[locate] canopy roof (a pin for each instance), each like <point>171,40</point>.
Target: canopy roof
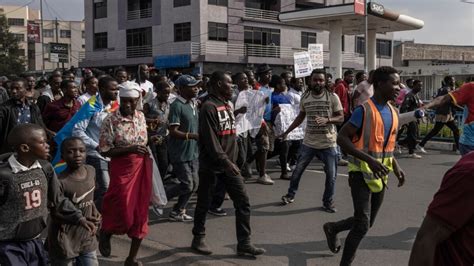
<point>380,19</point>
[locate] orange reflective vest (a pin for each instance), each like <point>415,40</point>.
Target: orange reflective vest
<point>371,141</point>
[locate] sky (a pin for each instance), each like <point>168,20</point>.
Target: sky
<point>446,21</point>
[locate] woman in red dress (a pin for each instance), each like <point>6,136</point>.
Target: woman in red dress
<point>123,138</point>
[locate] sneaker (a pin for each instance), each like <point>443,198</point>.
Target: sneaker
<point>330,208</point>
<point>265,179</point>
<point>287,199</point>
<point>288,168</point>
<point>180,216</point>
<point>217,212</point>
<point>414,156</point>
<point>157,210</point>
<point>342,162</point>
<point>285,176</point>
<point>420,148</point>
<point>249,249</point>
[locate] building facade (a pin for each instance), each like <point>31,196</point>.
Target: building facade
<point>23,21</point>
<point>209,35</point>
<point>430,63</point>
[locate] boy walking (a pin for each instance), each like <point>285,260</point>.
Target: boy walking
<point>69,242</point>
<point>28,188</point>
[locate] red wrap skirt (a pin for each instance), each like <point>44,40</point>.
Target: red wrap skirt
<point>125,204</point>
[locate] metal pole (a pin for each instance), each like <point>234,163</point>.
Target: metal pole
<point>366,38</point>
<point>57,37</point>
<point>42,38</point>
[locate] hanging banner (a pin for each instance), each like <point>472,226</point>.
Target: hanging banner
<point>303,67</point>
<point>359,7</point>
<point>33,32</point>
<point>317,55</point>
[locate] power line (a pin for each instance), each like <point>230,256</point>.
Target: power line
<point>18,8</point>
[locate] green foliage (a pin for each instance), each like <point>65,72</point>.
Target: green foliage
<point>11,62</point>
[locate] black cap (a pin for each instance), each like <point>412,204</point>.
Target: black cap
<point>263,68</point>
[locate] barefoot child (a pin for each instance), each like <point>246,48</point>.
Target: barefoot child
<point>28,188</point>
<point>71,242</point>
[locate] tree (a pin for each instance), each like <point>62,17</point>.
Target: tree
<point>11,62</point>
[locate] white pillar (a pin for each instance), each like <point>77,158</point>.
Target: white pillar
<point>335,48</point>
<point>372,50</point>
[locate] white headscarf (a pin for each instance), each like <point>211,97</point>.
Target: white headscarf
<point>129,89</point>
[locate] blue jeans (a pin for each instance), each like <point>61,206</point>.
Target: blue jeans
<point>86,259</point>
<point>465,149</point>
<point>328,157</point>
<point>102,179</point>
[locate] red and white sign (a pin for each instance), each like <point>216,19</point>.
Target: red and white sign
<point>359,7</point>
<point>33,31</point>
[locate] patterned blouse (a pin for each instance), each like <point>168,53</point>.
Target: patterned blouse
<point>119,131</point>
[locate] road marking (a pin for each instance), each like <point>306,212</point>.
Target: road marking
<point>322,172</point>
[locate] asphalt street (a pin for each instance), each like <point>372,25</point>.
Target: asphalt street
<point>293,234</point>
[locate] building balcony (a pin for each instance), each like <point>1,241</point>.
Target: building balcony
<point>139,51</point>
<point>139,14</point>
<point>254,13</point>
<point>243,50</point>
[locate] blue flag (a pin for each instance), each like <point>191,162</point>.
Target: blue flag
<point>85,113</point>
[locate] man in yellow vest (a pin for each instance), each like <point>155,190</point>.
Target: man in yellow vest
<point>369,138</point>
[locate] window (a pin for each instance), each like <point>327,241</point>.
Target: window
<point>218,2</point>
<point>100,41</point>
<point>262,36</point>
<point>83,34</point>
<point>16,22</point>
<point>100,9</point>
<point>262,42</point>
<point>217,31</point>
<point>65,33</point>
<point>360,45</point>
<point>259,4</point>
<point>138,9</point>
<point>19,37</point>
<point>182,32</point>
<point>21,52</point>
<point>178,3</point>
<point>307,38</point>
<point>384,47</point>
<point>48,33</point>
<point>139,42</point>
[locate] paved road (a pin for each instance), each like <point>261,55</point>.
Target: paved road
<point>293,234</point>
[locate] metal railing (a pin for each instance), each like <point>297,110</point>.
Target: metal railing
<point>139,13</point>
<point>261,14</point>
<point>139,51</point>
<point>243,50</point>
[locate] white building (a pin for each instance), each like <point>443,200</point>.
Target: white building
<point>68,32</point>
<point>208,35</point>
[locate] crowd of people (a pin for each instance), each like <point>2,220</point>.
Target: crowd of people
<point>116,127</point>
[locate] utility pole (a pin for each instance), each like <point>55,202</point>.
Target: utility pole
<point>57,36</point>
<point>366,42</point>
<point>42,37</point>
